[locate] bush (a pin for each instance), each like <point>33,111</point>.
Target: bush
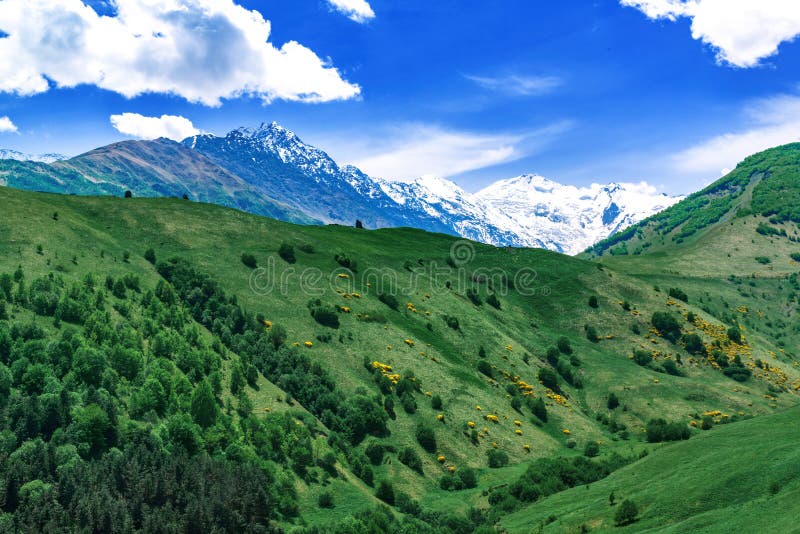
<point>474,297</point>
<point>679,294</point>
<point>737,372</point>
<point>563,345</point>
<point>452,322</point>
<point>389,299</point>
<point>548,379</point>
<point>485,368</point>
<point>409,403</point>
<point>374,452</point>
<point>591,333</point>
<point>593,302</point>
<point>409,457</point>
<point>667,325</point>
<point>426,437</point>
<point>305,247</point>
<point>671,368</point>
<point>385,492</point>
<point>436,402</point>
<point>613,401</point>
<point>325,500</point>
<point>496,458</point>
<point>249,261</point>
<point>345,262</point>
<point>694,344</point>
<point>591,450</point>
<point>763,260</point>
<point>324,315</point>
<point>150,255</point>
<point>286,251</point>
<point>538,408</point>
<point>795,256</point>
<point>626,513</point>
<point>642,357</point>
<point>659,430</point>
<point>493,301</point>
<point>735,335</point>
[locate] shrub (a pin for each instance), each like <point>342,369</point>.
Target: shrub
<point>374,452</point>
<point>409,403</point>
<point>548,379</point>
<point>591,450</point>
<point>678,293</point>
<point>795,256</point>
<point>538,408</point>
<point>626,513</point>
<point>409,457</point>
<point>763,260</point>
<point>735,335</point>
<point>563,345</point>
<point>667,325</point>
<point>249,261</point>
<point>345,262</point>
<point>307,248</point>
<point>385,492</point>
<point>474,297</point>
<point>553,355</point>
<point>694,344</point>
<point>286,251</point>
<point>642,357</point>
<point>436,402</point>
<point>150,255</point>
<point>426,437</point>
<point>389,299</point>
<point>671,368</point>
<point>659,430</point>
<point>613,401</point>
<point>485,368</point>
<point>593,302</point>
<point>496,458</point>
<point>591,333</point>
<point>325,500</point>
<point>323,314</point>
<point>737,372</point>
<point>493,301</point>
<point>452,322</point>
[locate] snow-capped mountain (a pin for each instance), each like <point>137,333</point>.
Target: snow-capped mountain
<point>270,171</point>
<point>39,158</point>
<point>569,219</point>
<point>528,211</point>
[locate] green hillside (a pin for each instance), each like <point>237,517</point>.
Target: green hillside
<point>309,362</point>
<point>743,477</point>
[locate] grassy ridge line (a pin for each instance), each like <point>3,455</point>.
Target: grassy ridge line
<point>743,477</point>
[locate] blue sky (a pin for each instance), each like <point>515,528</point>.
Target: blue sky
<point>661,91</point>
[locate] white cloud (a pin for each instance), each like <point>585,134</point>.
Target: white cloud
<point>518,85</point>
<point>408,151</point>
<point>743,32</point>
<point>201,50</point>
<point>773,122</point>
<point>356,10</point>
<point>172,127</point>
<point>6,126</point>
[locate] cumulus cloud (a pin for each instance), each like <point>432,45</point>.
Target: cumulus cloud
<point>172,127</point>
<point>773,122</point>
<point>356,10</point>
<point>743,32</point>
<point>6,126</point>
<point>201,50</point>
<point>518,85</point>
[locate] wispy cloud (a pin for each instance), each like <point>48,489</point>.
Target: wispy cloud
<point>411,150</point>
<point>7,126</point>
<point>772,122</point>
<point>172,127</point>
<point>518,85</point>
<point>743,32</point>
<point>356,10</point>
<point>201,50</point>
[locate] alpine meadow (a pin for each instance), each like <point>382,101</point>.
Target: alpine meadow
<point>411,331</point>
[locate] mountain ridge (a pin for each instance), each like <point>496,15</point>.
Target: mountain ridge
<point>270,171</point>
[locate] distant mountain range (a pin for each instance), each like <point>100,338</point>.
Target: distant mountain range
<point>270,171</point>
